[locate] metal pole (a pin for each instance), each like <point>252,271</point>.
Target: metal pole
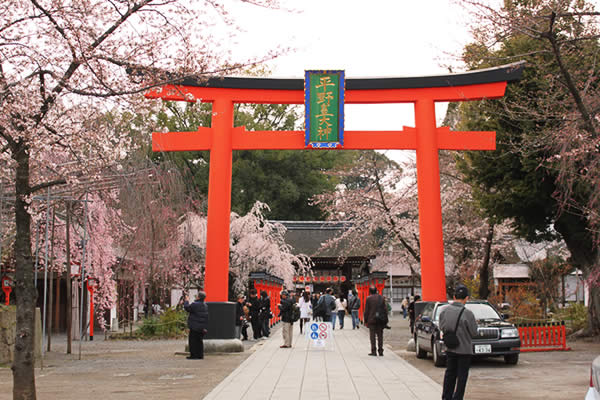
<point>85,211</point>
<point>45,275</point>
<point>391,284</point>
<point>37,252</point>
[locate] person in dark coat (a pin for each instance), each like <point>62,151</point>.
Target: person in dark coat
<point>253,304</point>
<point>265,313</point>
<point>198,324</point>
<point>411,313</point>
<point>458,358</point>
<point>239,317</point>
<point>327,304</point>
<point>285,312</point>
<point>374,303</point>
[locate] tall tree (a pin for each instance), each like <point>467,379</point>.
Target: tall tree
<point>60,61</point>
<point>545,172</point>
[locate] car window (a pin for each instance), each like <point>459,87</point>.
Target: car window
<point>438,311</point>
<point>480,311</point>
<point>428,310</point>
<point>483,311</point>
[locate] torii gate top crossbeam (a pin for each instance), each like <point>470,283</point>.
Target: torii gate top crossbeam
<point>473,85</point>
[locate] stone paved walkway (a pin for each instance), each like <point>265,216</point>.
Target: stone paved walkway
<point>344,372</point>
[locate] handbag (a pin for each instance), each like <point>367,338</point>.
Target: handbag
<point>450,339</point>
<point>381,317</point>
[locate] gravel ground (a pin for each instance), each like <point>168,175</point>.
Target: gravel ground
<point>554,375</point>
<point>120,369</point>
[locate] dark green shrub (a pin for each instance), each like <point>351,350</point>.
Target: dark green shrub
<point>170,324</point>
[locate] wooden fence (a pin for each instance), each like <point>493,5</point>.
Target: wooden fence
<point>543,336</point>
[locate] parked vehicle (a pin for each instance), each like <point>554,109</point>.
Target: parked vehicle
<point>593,392</point>
<point>496,337</point>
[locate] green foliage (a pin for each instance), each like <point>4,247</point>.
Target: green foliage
<point>170,324</point>
<point>575,315</point>
<point>524,180</point>
<point>285,180</point>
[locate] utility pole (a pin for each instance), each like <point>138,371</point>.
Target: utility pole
<point>68,280</point>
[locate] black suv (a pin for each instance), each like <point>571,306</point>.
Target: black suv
<point>496,337</point>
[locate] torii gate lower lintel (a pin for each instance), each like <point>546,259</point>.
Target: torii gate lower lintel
<point>426,138</point>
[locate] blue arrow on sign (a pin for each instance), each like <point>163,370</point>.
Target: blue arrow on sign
<point>314,327</point>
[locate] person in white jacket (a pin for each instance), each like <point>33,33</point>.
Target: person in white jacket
<point>305,306</point>
<point>340,310</point>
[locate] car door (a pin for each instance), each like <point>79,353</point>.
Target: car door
<point>426,327</point>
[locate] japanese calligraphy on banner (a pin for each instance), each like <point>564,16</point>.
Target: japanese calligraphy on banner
<point>324,104</point>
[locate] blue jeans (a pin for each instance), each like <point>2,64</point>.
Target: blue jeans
<point>355,321</point>
<point>265,327</point>
<point>333,318</point>
<point>404,312</point>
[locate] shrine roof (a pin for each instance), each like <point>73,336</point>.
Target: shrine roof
<point>505,73</point>
<point>307,237</point>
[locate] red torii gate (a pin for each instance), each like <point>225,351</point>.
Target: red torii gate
<point>426,138</point>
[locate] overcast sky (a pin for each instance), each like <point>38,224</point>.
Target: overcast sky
<point>365,38</point>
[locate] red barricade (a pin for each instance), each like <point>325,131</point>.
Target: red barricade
<point>544,336</point>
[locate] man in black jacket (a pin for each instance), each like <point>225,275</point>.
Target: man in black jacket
<point>285,312</point>
<point>198,324</point>
<point>265,313</point>
<point>254,307</point>
<point>374,306</point>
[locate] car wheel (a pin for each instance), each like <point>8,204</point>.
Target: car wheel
<point>438,359</point>
<point>511,359</point>
<point>420,353</point>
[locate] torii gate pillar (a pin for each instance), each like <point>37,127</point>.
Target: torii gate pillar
<point>426,138</point>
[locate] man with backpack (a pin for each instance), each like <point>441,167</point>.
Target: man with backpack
<point>458,322</point>
<point>289,313</point>
<point>375,319</point>
<point>326,305</point>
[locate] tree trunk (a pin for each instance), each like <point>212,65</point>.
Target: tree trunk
<point>23,366</point>
<point>484,273</point>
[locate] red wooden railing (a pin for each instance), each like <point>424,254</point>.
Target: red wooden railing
<point>544,336</point>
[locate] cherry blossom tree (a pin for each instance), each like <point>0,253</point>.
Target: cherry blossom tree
<point>380,198</point>
<point>256,244</point>
<point>63,64</point>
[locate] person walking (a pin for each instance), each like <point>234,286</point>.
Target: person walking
<point>375,320</point>
<point>305,309</point>
<point>265,313</point>
<point>285,312</point>
<point>326,304</point>
<point>198,324</point>
<point>334,312</point>
<point>254,311</point>
<point>404,305</point>
<point>457,318</point>
<point>411,314</point>
<point>340,309</point>
<point>313,301</point>
<point>354,306</point>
